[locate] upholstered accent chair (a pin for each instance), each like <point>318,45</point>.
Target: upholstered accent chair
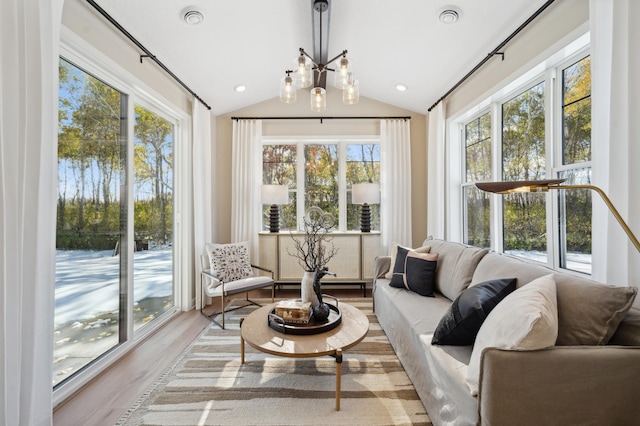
<point>226,271</point>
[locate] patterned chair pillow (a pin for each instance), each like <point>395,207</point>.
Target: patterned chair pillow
<point>229,262</point>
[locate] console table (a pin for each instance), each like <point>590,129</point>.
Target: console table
<point>352,265</point>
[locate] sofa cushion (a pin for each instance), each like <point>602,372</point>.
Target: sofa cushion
<point>456,264</point>
<point>526,319</point>
<point>460,324</point>
<point>588,312</point>
<point>414,271</point>
<point>394,253</point>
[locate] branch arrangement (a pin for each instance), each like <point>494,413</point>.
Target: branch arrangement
<point>315,250</point>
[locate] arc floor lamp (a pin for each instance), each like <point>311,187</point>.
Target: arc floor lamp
<point>508,187</point>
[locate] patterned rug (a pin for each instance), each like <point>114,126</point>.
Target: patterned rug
<point>208,385</point>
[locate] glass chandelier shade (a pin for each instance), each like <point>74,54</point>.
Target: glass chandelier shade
<point>288,89</point>
<point>306,70</point>
<point>318,99</point>
<point>303,68</point>
<point>342,73</point>
<point>351,92</point>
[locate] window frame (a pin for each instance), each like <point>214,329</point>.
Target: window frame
<point>341,142</point>
<point>86,57</point>
<point>550,71</point>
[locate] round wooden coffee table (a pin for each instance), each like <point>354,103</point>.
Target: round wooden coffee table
<point>256,332</point>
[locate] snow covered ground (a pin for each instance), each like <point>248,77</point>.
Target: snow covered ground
<point>87,282</point>
<point>87,298</point>
<point>578,262</point>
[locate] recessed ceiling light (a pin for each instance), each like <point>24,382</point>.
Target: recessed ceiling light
<point>450,15</point>
<point>192,16</point>
<point>240,88</point>
<point>401,87</point>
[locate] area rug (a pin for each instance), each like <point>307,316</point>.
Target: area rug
<point>208,385</point>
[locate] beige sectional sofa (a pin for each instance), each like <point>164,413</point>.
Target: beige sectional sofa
<point>590,376</point>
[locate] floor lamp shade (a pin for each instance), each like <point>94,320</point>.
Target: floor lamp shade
<point>274,195</point>
<point>365,194</point>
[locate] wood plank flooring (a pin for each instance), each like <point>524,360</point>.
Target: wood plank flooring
<point>108,396</point>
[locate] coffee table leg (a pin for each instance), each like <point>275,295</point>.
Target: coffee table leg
<point>338,377</point>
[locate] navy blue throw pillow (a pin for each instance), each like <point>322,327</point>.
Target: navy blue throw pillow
<point>415,271</point>
<point>461,323</point>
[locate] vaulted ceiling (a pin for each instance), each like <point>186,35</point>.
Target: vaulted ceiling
<point>253,42</point>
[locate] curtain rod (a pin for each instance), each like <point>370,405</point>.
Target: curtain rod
<point>495,51</point>
<point>147,54</point>
<point>321,118</point>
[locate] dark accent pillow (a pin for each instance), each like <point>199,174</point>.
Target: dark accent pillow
<point>415,271</point>
<point>460,324</point>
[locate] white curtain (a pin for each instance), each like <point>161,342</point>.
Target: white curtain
<point>395,183</point>
<point>246,180</point>
<point>203,208</point>
<point>615,68</point>
<point>436,177</point>
<point>29,37</point>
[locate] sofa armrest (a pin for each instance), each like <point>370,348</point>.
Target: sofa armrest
<point>560,385</point>
<point>381,265</point>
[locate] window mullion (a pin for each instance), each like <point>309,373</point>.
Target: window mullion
<point>496,221</point>
<point>300,187</point>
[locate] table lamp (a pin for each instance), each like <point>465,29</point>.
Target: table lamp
<point>275,195</point>
<point>507,187</point>
<point>365,194</point>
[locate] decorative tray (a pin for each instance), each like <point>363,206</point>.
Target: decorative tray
<point>312,327</point>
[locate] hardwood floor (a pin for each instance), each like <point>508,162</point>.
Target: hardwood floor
<point>108,396</point>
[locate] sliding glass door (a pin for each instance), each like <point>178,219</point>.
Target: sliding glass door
<point>152,216</point>
<point>115,228</point>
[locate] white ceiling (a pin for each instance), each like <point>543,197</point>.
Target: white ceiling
<point>252,42</point>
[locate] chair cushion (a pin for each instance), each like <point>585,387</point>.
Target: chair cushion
<point>240,286</point>
<point>229,262</point>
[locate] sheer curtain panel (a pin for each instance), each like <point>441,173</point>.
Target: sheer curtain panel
<point>246,178</point>
<point>29,36</point>
<point>203,209</point>
<point>615,67</point>
<point>395,183</point>
<point>436,179</point>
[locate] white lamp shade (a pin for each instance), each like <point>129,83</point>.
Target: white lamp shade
<point>365,193</point>
<point>275,194</point>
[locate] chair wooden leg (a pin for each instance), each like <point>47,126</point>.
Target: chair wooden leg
<point>273,286</point>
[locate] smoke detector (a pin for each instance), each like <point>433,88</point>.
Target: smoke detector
<point>192,16</point>
<point>450,15</point>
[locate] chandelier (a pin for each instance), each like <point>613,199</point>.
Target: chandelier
<point>305,68</point>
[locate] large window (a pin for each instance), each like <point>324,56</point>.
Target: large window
<point>523,158</point>
<point>114,233</point>
<point>320,173</point>
<point>540,131</point>
<point>477,143</point>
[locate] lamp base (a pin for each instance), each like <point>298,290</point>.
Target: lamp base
<point>365,218</point>
<point>274,219</point>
